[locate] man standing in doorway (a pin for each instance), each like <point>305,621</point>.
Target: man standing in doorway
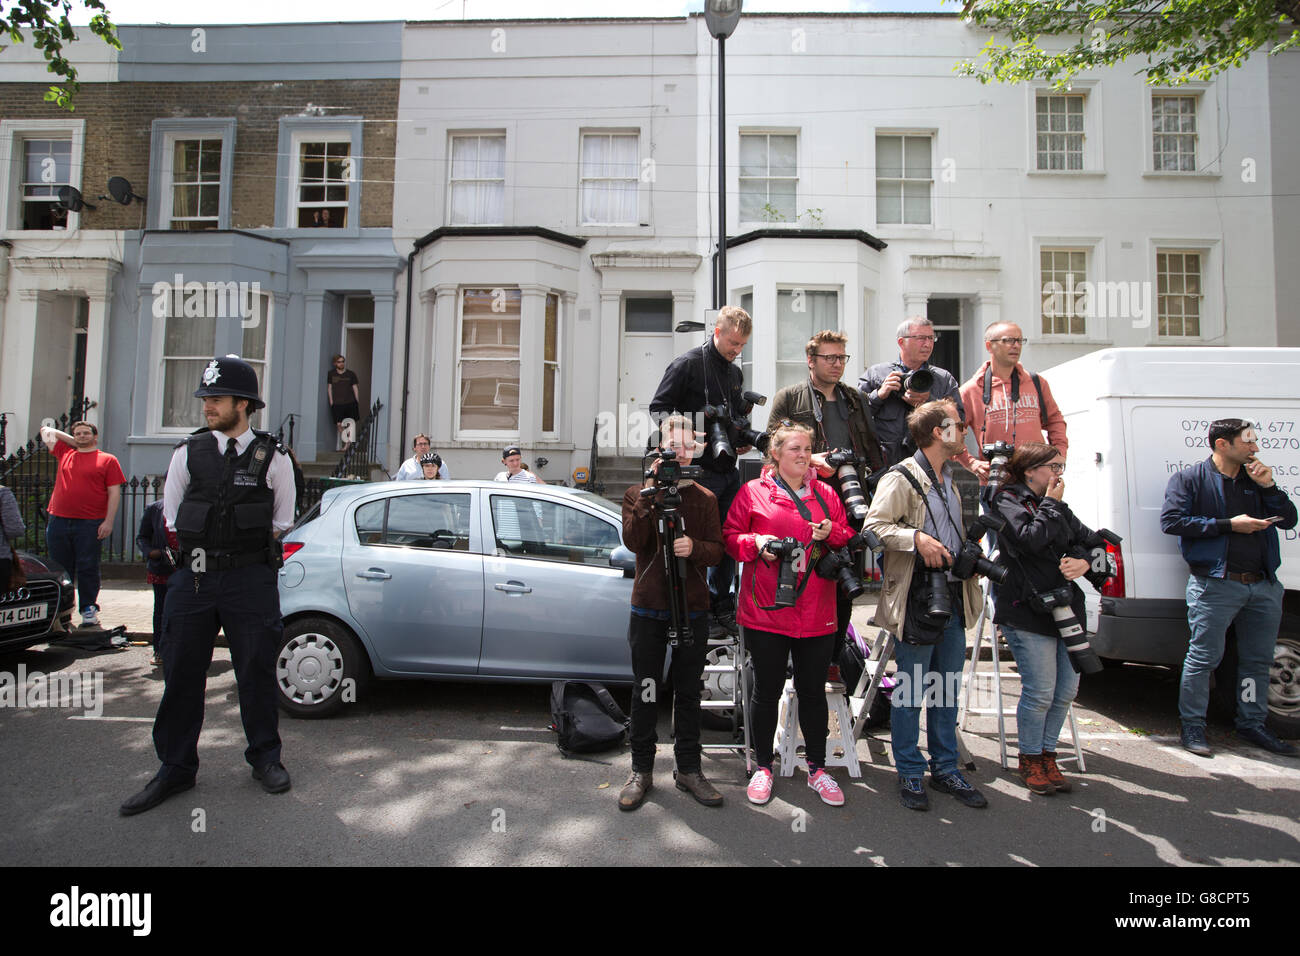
<point>82,509</point>
<point>343,392</point>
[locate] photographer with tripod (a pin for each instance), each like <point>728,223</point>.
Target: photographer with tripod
<point>1039,607</point>
<point>782,524</point>
<point>671,522</point>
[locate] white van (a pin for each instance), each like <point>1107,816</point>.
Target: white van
<point>1136,416</point>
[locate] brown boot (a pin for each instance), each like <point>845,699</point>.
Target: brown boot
<point>1054,774</point>
<point>634,791</point>
<point>698,787</point>
<point>1032,773</point>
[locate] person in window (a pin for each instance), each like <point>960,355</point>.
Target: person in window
<point>787,501</point>
<point>430,466</point>
<point>343,393</point>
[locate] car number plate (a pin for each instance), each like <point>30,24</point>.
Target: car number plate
<point>12,616</point>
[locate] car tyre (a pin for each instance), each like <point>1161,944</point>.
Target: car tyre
<point>314,664</point>
<point>1284,681</point>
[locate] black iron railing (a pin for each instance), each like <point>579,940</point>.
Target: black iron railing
<point>362,452</point>
<point>289,420</point>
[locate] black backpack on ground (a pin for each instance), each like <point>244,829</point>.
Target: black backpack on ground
<point>586,717</point>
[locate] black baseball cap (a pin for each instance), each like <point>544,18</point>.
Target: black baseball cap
<point>511,450</point>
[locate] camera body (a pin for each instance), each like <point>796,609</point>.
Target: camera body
<point>1056,602</point>
<point>997,455</point>
<point>846,464</point>
<point>969,561</point>
<point>728,426</point>
<point>920,380</point>
<point>840,565</point>
<point>667,476</point>
<point>787,551</point>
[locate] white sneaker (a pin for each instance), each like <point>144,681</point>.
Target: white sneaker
<point>90,617</point>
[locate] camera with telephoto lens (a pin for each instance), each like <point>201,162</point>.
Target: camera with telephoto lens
<point>669,472</point>
<point>997,455</point>
<point>1056,602</point>
<point>1101,563</point>
<point>726,427</point>
<point>787,551</point>
<point>845,464</point>
<point>919,380</point>
<point>840,565</point>
<point>967,562</point>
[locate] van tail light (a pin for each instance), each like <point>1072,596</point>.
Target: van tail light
<point>291,548</point>
<point>1114,586</point>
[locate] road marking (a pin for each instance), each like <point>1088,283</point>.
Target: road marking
<point>125,720</point>
<point>530,730</point>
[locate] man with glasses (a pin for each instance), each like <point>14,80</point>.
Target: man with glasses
<point>1003,402</point>
<point>838,417</point>
<point>888,396</point>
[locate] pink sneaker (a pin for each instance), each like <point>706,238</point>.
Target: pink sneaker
<point>760,787</point>
<point>826,787</point>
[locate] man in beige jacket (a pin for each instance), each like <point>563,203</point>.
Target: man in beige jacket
<point>928,525</point>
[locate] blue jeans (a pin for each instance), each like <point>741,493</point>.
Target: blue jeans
<point>1213,604</point>
<point>1047,685</point>
<point>74,543</point>
<point>929,674</point>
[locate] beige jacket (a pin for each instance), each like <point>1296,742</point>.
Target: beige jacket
<point>896,514</point>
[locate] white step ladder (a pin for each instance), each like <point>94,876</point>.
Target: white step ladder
<point>738,704</point>
<point>997,674</point>
<point>841,741</point>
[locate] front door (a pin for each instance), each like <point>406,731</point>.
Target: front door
<point>647,350</point>
<point>946,316</point>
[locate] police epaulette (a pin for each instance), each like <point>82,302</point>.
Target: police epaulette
<point>280,446</point>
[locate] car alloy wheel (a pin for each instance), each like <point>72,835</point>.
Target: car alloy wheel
<point>316,662</point>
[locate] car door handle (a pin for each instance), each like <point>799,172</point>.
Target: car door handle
<point>514,587</point>
<point>375,574</point>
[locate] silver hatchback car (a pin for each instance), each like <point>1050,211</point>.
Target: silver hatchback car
<point>451,580</point>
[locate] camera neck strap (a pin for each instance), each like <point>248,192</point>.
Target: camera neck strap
<point>925,499</point>
<point>798,502</point>
<point>806,514</point>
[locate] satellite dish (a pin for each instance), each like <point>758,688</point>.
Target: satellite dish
<point>70,199</point>
<point>120,189</point>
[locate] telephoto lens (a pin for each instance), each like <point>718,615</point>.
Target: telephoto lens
<point>845,464</point>
<point>1083,658</point>
<point>920,381</point>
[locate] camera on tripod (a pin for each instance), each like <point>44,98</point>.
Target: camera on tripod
<point>846,464</point>
<point>840,565</point>
<point>729,426</point>
<point>669,473</point>
<point>968,562</point>
<point>787,551</point>
<point>997,455</point>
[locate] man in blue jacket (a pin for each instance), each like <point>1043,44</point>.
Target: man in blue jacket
<point>1233,562</point>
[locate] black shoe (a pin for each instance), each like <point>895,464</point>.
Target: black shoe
<point>274,778</point>
<point>157,790</point>
<point>1193,739</point>
<point>1261,737</point>
<point>727,621</point>
<point>912,794</point>
<point>955,784</point>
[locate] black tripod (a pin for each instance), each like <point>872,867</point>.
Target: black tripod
<point>666,506</point>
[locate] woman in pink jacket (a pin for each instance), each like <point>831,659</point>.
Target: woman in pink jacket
<point>764,512</point>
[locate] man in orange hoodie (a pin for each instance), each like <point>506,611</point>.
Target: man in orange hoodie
<point>1003,402</point>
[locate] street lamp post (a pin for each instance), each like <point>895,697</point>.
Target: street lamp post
<point>721,17</point>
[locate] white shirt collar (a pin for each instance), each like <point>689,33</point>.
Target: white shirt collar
<point>241,441</point>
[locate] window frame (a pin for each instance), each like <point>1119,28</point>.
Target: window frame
<point>597,560</point>
<point>768,133</point>
<point>932,136</point>
<point>484,433</point>
<point>163,135</point>
<point>452,182</point>
<point>1093,155</point>
<point>583,178</point>
<point>14,135</point>
<point>1211,318</point>
<point>387,500</point>
<point>1208,158</point>
<point>1094,325</point>
<point>801,360</point>
<point>297,130</point>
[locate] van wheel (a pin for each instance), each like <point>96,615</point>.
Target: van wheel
<point>318,668</point>
<point>1284,681</point>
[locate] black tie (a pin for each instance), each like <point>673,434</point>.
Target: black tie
<point>231,450</point>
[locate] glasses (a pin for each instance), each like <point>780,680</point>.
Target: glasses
<point>1009,341</point>
<point>1057,467</point>
<point>924,338</point>
<point>833,359</point>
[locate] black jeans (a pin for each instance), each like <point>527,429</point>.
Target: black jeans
<point>725,486</point>
<point>811,656</point>
<point>159,600</point>
<point>649,641</point>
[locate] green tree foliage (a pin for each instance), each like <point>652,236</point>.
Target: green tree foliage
<point>51,31</point>
<point>1180,39</point>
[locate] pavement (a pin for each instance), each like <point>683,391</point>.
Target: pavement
<point>127,604</point>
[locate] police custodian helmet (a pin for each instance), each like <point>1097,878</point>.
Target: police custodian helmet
<point>231,375</point>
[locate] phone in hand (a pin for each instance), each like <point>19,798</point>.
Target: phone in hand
<point>1274,520</point>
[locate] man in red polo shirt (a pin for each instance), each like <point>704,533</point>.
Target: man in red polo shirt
<point>85,501</point>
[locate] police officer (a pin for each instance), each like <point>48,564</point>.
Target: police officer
<point>229,495</point>
<point>708,375</point>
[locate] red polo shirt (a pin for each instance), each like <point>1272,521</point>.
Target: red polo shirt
<point>81,490</point>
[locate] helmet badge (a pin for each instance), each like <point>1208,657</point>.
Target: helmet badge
<point>211,373</point>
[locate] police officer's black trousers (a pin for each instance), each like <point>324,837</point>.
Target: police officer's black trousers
<point>245,602</point>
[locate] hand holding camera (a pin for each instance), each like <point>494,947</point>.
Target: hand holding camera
<point>932,552</point>
<point>1072,568</point>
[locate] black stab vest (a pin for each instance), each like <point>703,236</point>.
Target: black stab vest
<point>227,510</point>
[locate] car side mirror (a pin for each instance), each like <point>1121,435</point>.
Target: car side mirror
<point>623,557</point>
